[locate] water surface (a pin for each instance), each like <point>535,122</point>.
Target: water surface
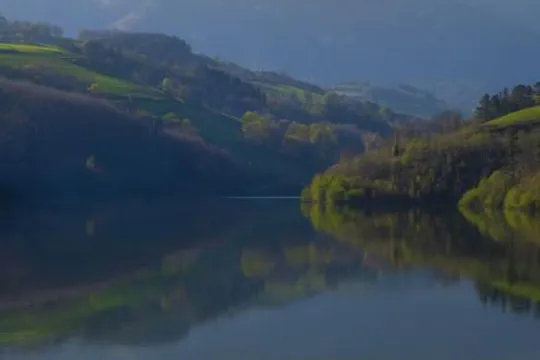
<point>266,279</point>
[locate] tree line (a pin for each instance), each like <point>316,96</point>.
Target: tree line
<point>507,101</point>
<point>318,143</point>
<point>34,32</point>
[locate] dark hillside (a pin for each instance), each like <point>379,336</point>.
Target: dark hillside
<point>52,141</point>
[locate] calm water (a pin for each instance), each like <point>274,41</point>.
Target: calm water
<point>266,279</point>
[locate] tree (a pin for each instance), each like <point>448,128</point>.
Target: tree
<point>170,117</point>
<point>4,23</point>
<point>396,148</point>
<point>522,97</point>
<point>91,162</point>
<point>188,128</point>
<point>308,100</point>
<point>386,113</point>
<point>254,126</point>
<point>537,93</point>
<point>167,84</point>
<point>482,111</point>
<point>537,87</point>
<point>298,132</point>
<point>322,134</point>
<point>94,87</point>
<point>449,120</point>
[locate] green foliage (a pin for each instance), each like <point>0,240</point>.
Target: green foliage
<point>255,126</point>
<point>170,116</point>
<point>94,87</point>
<point>506,102</point>
<point>525,195</point>
<point>288,128</point>
<point>319,133</point>
<point>298,132</point>
<point>444,242</point>
<point>91,162</point>
<point>31,49</point>
<point>29,32</point>
<point>493,165</point>
<point>38,64</point>
<point>317,144</point>
<point>490,193</point>
<point>523,116</point>
<point>331,189</point>
<point>167,84</point>
<point>187,127</point>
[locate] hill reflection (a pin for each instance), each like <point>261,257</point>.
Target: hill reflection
<point>501,255</point>
<point>140,274</point>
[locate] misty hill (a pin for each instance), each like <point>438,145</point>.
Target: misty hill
<point>403,98</point>
<point>418,42</point>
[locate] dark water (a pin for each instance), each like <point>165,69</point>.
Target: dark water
<point>265,279</point>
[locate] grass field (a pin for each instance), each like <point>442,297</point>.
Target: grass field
<point>50,59</point>
<point>522,116</point>
<point>31,49</point>
<point>105,84</point>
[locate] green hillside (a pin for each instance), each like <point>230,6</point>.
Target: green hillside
<point>279,129</point>
<point>33,62</point>
<point>32,49</point>
<point>522,117</point>
<point>56,67</point>
<point>489,163</point>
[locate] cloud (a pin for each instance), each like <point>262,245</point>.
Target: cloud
<point>107,3</point>
<point>130,19</point>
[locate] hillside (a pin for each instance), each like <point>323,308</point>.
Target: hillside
<point>279,129</point>
<point>58,143</point>
<point>403,98</point>
<point>490,163</point>
<point>466,47</point>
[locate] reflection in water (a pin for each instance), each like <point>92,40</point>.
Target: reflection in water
<point>158,274</point>
<point>504,262</point>
<point>139,277</point>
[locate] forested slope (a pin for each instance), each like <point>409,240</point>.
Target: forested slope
<point>277,129</point>
<point>490,162</point>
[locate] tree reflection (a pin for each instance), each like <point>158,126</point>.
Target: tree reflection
<point>499,252</point>
<point>140,283</point>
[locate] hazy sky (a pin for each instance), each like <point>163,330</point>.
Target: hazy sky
<point>330,41</point>
<point>132,13</point>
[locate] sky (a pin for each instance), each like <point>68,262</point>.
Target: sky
<point>129,14</point>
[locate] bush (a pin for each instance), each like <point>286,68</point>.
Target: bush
<point>490,192</point>
<point>525,195</point>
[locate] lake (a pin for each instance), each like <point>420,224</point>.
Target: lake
<point>257,279</point>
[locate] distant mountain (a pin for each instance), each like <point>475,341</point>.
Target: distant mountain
<point>455,48</point>
<point>403,98</point>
